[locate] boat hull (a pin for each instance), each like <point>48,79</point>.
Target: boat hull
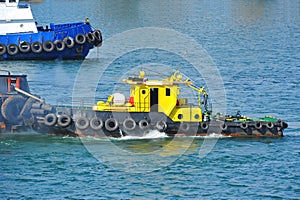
<point>83,122</point>
<point>61,41</point>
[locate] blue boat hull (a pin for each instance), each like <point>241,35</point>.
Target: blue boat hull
<point>62,41</point>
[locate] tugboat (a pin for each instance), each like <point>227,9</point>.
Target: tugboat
<point>151,105</point>
<point>22,39</point>
<point>156,105</point>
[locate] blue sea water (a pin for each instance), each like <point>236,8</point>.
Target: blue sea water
<point>254,45</point>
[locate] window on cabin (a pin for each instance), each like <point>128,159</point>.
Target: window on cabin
<point>2,1</point>
<point>168,92</point>
<point>12,1</point>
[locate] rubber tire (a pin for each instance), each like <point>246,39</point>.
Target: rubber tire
<point>131,121</point>
<point>185,127</point>
<point>61,43</point>
<point>244,125</point>
<point>96,124</point>
<point>64,120</point>
<point>69,41</point>
<point>25,112</point>
<point>90,37</point>
<point>51,122</point>
<point>11,109</point>
<point>258,125</point>
<point>161,126</point>
<point>141,124</point>
<point>27,47</point>
<point>98,38</point>
<point>46,44</point>
<point>108,122</point>
<point>80,41</point>
<point>204,125</point>
<point>270,125</point>
<point>2,49</point>
<point>79,122</point>
<point>39,49</point>
<point>10,52</point>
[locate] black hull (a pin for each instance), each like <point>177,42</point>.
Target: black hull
<point>82,122</point>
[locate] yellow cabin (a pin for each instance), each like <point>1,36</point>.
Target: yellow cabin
<point>155,96</point>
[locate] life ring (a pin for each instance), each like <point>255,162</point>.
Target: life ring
<point>82,123</point>
<point>2,49</point>
<point>244,125</point>
<point>129,124</point>
<point>223,127</point>
<point>98,38</point>
<point>24,47</point>
<point>48,46</point>
<point>50,119</point>
<point>80,39</point>
<point>111,124</point>
<point>36,47</point>
<point>64,120</point>
<point>12,49</point>
<point>11,109</point>
<point>270,125</point>
<point>258,125</point>
<point>204,126</point>
<point>144,124</point>
<point>96,123</point>
<point>69,41</point>
<point>90,37</point>
<point>161,125</point>
<point>60,45</point>
<point>185,127</point>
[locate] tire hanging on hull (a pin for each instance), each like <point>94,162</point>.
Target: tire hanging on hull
<point>50,119</point>
<point>96,124</point>
<point>111,124</point>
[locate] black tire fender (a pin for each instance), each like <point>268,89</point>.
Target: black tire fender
<point>80,39</point>
<point>270,125</point>
<point>244,125</point>
<point>143,124</point>
<point>11,109</point>
<point>12,49</point>
<point>111,124</point>
<point>36,47</point>
<point>96,123</point>
<point>24,47</point>
<point>64,120</point>
<point>129,124</point>
<point>69,41</point>
<point>161,125</point>
<point>90,37</point>
<point>82,123</point>
<point>2,49</point>
<point>50,119</point>
<point>98,38</point>
<point>184,126</point>
<point>48,46</point>
<point>59,45</point>
<point>258,125</point>
<point>204,126</point>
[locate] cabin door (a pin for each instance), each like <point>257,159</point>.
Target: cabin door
<point>154,99</point>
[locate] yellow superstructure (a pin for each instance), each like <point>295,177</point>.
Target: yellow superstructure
<point>155,96</point>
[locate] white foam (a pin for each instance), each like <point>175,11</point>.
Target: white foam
<point>213,136</point>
